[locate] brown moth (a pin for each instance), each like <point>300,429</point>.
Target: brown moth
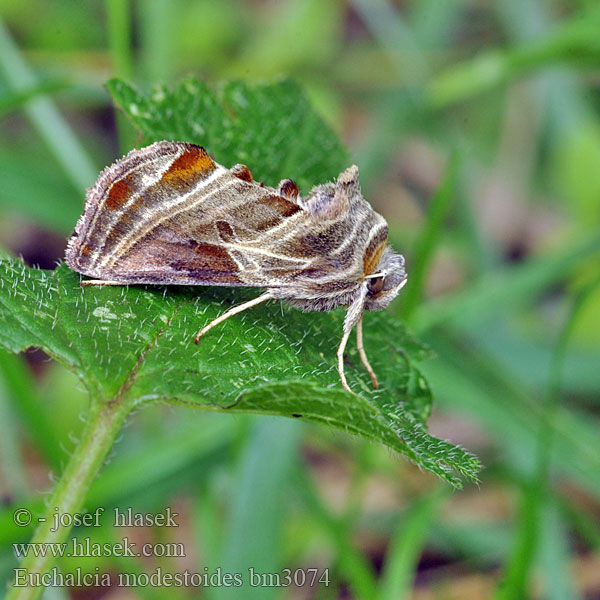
<point>169,214</point>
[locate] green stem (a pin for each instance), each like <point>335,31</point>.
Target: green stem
<point>103,423</point>
<point>118,13</point>
<point>157,32</point>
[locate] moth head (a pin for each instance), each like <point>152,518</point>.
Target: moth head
<point>385,283</point>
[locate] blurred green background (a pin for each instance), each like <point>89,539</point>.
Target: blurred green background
<point>497,104</point>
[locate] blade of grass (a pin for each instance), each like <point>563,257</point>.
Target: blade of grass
<point>43,194</point>
<point>12,469</point>
<point>395,111</point>
<point>480,541</point>
<point>157,461</point>
<point>518,571</point>
<point>581,521</point>
<point>429,238</point>
<point>506,288</point>
<point>352,564</point>
<point>357,487</point>
<point>119,42</point>
<point>525,21</point>
<point>27,404</point>
<point>555,556</point>
<point>515,582</point>
<point>161,458</point>
<point>466,381</point>
<point>119,37</point>
<point>156,39</point>
<point>207,524</point>
<point>482,253</point>
<point>257,512</point>
<point>394,36</point>
<point>16,100</point>
<point>45,118</point>
<point>527,359</point>
<point>576,41</point>
<point>406,546</point>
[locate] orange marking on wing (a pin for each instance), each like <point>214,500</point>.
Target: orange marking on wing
<point>118,194</point>
<point>191,163</point>
<point>289,188</point>
<point>242,172</point>
<point>372,257</point>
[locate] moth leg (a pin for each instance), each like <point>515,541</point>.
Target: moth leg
<point>233,311</point>
<point>340,357</point>
<point>353,318</point>
<point>101,282</point>
<point>363,354</point>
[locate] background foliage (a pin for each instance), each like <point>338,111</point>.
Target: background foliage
<point>138,344</point>
<point>505,242</point>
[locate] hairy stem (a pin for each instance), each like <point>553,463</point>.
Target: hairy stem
<point>103,423</point>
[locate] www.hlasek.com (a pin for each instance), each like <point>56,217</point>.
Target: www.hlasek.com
<point>159,578</point>
<point>79,547</point>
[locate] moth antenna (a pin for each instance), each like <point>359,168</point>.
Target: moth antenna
<point>374,276</point>
<point>363,354</point>
<point>242,172</point>
<point>288,188</point>
<point>233,311</point>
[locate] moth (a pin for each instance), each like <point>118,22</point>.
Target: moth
<point>169,214</point>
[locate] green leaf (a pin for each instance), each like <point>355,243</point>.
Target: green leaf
<point>271,128</point>
<point>136,343</point>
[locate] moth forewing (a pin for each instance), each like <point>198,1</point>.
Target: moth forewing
<point>169,214</point>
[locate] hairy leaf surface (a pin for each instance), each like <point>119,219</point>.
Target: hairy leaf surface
<point>137,343</point>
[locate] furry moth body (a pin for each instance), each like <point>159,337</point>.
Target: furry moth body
<point>169,214</point>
